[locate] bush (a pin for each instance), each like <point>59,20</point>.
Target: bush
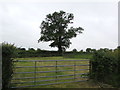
<point>8,52</point>
<point>105,67</point>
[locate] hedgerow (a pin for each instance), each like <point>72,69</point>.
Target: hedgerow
<point>8,53</point>
<point>105,67</point>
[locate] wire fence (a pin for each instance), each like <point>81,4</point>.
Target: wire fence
<point>18,81</point>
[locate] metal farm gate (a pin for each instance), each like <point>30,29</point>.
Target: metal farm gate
<point>40,72</point>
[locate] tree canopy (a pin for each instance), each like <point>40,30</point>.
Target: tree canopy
<point>55,28</point>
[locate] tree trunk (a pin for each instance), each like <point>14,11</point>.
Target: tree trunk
<point>60,46</point>
<point>60,50</point>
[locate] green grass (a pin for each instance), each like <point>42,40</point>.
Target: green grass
<point>86,84</point>
<point>78,56</point>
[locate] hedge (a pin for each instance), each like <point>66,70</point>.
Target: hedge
<point>105,67</point>
<point>8,52</point>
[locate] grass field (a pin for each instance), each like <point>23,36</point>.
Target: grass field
<point>79,55</point>
<point>86,84</point>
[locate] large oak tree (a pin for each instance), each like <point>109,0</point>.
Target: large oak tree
<point>55,28</point>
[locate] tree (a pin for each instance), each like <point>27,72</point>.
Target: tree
<point>81,51</point>
<point>93,50</point>
<point>55,28</point>
<point>88,50</point>
<point>31,49</point>
<point>118,47</point>
<point>38,50</point>
<point>74,50</point>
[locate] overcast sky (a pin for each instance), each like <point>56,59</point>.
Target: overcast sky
<point>20,22</point>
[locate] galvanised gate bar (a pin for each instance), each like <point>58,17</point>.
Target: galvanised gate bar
<point>35,82</point>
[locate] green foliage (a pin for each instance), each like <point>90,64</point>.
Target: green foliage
<point>105,67</point>
<point>8,52</point>
<point>22,53</point>
<point>31,49</point>
<point>88,50</point>
<point>74,50</point>
<point>36,53</point>
<point>55,28</point>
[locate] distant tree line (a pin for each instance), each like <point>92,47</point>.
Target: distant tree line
<point>31,52</point>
